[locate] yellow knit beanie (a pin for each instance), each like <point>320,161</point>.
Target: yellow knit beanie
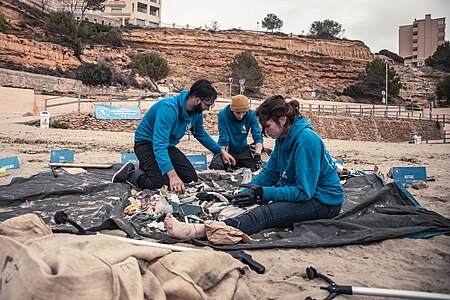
<point>239,104</point>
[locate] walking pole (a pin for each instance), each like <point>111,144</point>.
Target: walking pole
<point>335,290</point>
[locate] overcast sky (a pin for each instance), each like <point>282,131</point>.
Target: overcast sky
<point>375,22</point>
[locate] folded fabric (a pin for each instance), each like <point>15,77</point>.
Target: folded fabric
<point>221,234</point>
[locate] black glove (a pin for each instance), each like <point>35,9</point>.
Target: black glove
<point>258,162</point>
<point>206,195</point>
<point>253,195</point>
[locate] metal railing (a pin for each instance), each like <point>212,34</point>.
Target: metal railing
<point>383,111</point>
<point>431,137</point>
<point>80,100</point>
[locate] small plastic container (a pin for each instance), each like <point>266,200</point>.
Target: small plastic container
<point>45,119</point>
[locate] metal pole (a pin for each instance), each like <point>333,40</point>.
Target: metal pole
<point>79,102</point>
<point>387,78</point>
<point>398,293</point>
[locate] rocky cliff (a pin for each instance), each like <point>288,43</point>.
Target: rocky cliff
<point>289,64</point>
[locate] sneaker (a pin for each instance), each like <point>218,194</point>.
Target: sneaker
<point>122,174</point>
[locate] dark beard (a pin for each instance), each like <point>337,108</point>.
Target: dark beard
<point>198,109</point>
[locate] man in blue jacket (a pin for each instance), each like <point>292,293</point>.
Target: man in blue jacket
<point>160,130</point>
<point>235,122</point>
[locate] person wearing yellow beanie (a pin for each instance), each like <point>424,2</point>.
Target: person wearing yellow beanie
<point>235,122</point>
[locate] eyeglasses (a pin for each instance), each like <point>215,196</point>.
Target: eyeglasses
<point>209,104</point>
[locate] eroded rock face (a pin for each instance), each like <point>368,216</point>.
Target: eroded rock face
<point>31,53</point>
<point>289,64</point>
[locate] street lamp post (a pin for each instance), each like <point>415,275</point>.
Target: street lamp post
<point>257,27</point>
<point>231,80</point>
<point>387,79</point>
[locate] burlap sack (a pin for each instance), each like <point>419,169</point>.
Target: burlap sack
<point>63,266</point>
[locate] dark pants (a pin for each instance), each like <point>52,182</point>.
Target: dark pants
<point>282,214</point>
<point>244,159</point>
<point>153,178</point>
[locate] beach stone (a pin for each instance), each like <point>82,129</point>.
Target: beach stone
<point>419,184</point>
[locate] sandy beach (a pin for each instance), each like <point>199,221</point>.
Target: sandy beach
<point>409,264</point>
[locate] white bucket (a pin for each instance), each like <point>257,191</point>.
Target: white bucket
<point>45,119</point>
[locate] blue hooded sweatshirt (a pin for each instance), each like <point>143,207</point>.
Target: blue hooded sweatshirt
<point>233,133</point>
<point>300,168</point>
<point>166,122</point>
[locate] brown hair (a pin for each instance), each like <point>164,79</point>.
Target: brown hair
<point>274,108</point>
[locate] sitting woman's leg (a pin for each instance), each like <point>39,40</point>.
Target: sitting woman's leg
<point>181,230</point>
<point>282,214</point>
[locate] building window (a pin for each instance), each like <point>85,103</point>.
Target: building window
<point>154,11</point>
<point>155,1</point>
<point>140,22</point>
<point>132,7</point>
<point>153,24</point>
<point>141,7</point>
<point>441,30</point>
<point>116,10</point>
<point>440,38</point>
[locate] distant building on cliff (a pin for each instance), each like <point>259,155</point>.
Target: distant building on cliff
<point>118,12</point>
<point>420,40</point>
<point>135,12</point>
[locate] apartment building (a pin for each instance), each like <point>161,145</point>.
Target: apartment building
<point>118,12</point>
<point>420,40</point>
<point>135,12</point>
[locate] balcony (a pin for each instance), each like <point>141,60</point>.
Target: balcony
<point>112,3</point>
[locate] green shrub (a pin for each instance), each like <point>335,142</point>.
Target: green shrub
<point>392,55</point>
<point>443,88</point>
<point>3,25</point>
<point>152,65</point>
<point>94,74</point>
<point>354,91</point>
<point>245,66</point>
<point>441,58</point>
<point>58,125</point>
<point>61,23</point>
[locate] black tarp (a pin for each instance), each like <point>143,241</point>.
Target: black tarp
<point>372,211</point>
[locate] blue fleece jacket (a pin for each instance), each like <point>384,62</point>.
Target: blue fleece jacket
<point>166,122</point>
<point>300,168</point>
<point>233,133</point>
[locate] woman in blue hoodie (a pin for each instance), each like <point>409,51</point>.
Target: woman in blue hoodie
<point>299,182</point>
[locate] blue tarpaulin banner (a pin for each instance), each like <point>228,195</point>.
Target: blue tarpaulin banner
<point>59,156</point>
<point>198,161</point>
<point>107,112</point>
<point>128,157</point>
<point>409,174</point>
<point>9,163</point>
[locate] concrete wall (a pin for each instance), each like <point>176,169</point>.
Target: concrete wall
<point>21,79</point>
<point>16,102</point>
